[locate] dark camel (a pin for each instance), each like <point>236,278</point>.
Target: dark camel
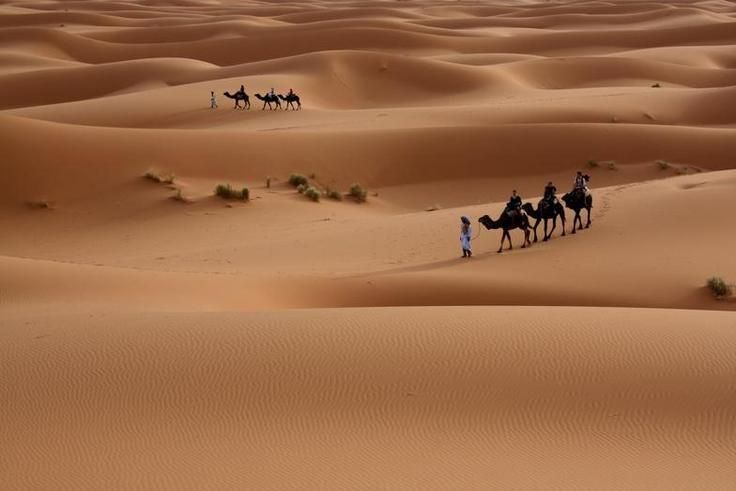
<point>290,100</point>
<point>546,211</point>
<point>505,222</point>
<point>577,201</point>
<point>239,96</point>
<point>268,99</point>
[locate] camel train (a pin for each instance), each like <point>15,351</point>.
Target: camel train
<point>516,215</point>
<point>271,99</point>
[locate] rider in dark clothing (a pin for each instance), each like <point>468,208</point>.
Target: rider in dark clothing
<point>549,193</point>
<point>514,204</point>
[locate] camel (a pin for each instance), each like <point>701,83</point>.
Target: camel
<point>546,212</point>
<point>290,100</point>
<point>268,99</point>
<point>577,201</point>
<point>505,222</point>
<point>239,96</point>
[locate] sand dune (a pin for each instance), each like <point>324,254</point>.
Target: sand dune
<point>154,336</point>
<point>413,398</point>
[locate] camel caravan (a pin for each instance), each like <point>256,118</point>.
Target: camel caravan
<point>516,215</point>
<point>271,99</point>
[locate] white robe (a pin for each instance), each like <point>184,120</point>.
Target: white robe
<point>465,237</point>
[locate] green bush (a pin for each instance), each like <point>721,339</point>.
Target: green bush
<point>332,194</point>
<point>719,287</point>
<point>358,192</point>
<point>226,191</point>
<point>312,193</point>
<point>301,188</point>
<point>297,180</point>
<point>159,178</point>
<point>179,197</point>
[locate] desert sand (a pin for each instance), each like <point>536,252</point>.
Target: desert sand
<point>148,342</point>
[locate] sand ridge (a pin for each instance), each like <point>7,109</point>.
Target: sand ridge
<point>150,342</point>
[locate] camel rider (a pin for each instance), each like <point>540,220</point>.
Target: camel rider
<point>242,90</point>
<point>581,183</point>
<point>549,193</point>
<point>291,93</point>
<point>514,204</point>
<point>272,93</point>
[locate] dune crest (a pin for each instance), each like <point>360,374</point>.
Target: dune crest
<point>155,334</point>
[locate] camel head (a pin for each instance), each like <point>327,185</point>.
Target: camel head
<point>528,207</point>
<point>486,221</point>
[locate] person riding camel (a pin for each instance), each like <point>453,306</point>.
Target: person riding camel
<point>549,194</point>
<point>272,93</point>
<point>242,90</point>
<point>581,184</point>
<point>514,204</point>
<point>291,93</point>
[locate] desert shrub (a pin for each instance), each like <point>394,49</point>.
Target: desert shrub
<point>297,180</point>
<point>332,194</point>
<point>159,178</point>
<point>313,176</point>
<point>656,86</point>
<point>663,164</point>
<point>719,287</point>
<point>312,193</point>
<point>358,192</point>
<point>226,191</point>
<point>610,164</point>
<point>301,188</point>
<point>593,164</point>
<point>268,183</point>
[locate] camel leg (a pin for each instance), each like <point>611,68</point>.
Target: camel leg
<point>503,239</point>
<point>587,225</point>
<point>554,226</point>
<point>526,239</point>
<point>563,226</point>
<point>535,229</point>
<point>546,237</point>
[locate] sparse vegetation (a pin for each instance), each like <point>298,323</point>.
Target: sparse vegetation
<point>683,170</point>
<point>226,191</point>
<point>312,193</point>
<point>313,176</point>
<point>611,165</point>
<point>297,180</point>
<point>268,183</point>
<point>593,164</point>
<point>332,194</point>
<point>179,197</point>
<point>154,176</point>
<point>301,188</point>
<point>719,287</point>
<point>663,164</point>
<point>358,192</point>
<point>656,86</point>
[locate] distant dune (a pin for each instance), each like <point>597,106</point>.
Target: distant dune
<point>155,336</point>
